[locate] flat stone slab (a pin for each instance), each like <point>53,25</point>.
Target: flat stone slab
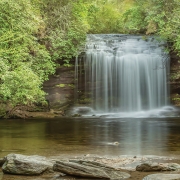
<point>89,169</point>
<point>162,177</point>
<point>154,166</point>
<point>26,165</point>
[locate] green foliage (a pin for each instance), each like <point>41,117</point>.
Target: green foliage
<point>66,29</point>
<point>25,63</point>
<point>37,36</point>
<point>21,86</point>
<point>160,17</point>
<point>103,18</point>
<point>134,19</point>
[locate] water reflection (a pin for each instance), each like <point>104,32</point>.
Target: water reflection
<point>90,136</point>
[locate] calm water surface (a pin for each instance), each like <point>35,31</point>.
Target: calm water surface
<point>50,137</point>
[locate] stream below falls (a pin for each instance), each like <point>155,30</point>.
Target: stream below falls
<point>82,136</point>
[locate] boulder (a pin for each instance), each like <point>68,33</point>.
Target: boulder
<point>153,166</point>
<point>162,177</point>
<point>26,165</point>
<point>89,169</point>
<point>2,161</point>
<point>76,115</point>
<point>1,175</point>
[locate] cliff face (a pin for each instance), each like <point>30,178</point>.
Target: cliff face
<point>60,88</point>
<point>175,79</point>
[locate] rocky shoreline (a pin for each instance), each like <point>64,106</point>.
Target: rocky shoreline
<point>21,167</point>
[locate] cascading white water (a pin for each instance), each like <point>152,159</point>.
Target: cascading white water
<point>125,73</point>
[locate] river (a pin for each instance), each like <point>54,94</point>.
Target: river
<point>82,136</point>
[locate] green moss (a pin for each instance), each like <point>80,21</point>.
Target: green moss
<point>85,101</point>
<point>71,86</point>
<point>61,85</point>
<point>175,76</point>
<point>176,99</point>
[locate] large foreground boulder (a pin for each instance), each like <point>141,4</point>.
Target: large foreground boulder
<point>153,166</point>
<point>162,177</point>
<point>2,161</point>
<point>1,175</point>
<point>26,165</point>
<point>89,169</point>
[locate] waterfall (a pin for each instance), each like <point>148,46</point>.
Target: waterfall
<point>125,73</point>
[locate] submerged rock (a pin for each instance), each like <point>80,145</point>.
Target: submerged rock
<point>153,166</point>
<point>26,165</point>
<point>89,169</point>
<point>162,177</point>
<point>116,143</point>
<point>76,115</point>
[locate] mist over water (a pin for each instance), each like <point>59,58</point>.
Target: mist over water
<point>125,74</point>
